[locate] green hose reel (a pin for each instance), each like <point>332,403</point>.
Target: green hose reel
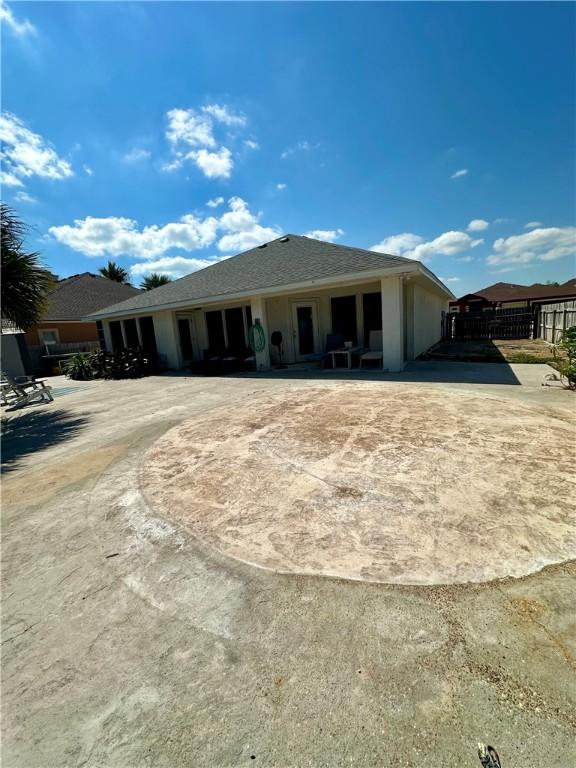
<point>256,337</point>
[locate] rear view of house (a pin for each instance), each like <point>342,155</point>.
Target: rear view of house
<point>301,292</point>
<point>64,328</point>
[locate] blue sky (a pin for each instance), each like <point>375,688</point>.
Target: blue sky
<point>440,131</point>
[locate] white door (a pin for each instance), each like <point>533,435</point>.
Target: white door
<point>305,328</point>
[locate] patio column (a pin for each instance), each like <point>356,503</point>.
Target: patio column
<point>167,343</point>
<point>258,307</point>
<point>392,324</point>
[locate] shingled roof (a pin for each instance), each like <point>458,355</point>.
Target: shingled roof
<point>288,260</point>
<point>75,297</point>
<point>514,292</point>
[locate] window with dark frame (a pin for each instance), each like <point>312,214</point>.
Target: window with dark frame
<point>116,335</point>
<point>148,336</point>
<point>131,332</point>
<point>215,330</point>
<point>372,311</point>
<point>235,330</point>
<point>185,338</point>
<point>344,317</point>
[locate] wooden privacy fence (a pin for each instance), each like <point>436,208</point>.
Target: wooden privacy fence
<point>554,319</point>
<point>500,323</point>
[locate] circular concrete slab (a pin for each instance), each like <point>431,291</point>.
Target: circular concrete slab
<point>390,483</point>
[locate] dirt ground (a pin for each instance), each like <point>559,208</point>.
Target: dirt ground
<point>129,640</point>
<point>495,351</point>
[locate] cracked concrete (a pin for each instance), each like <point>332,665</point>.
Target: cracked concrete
<point>129,642</point>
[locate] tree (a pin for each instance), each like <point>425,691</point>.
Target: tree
<point>25,281</point>
<point>114,272</point>
<point>154,280</point>
<point>551,282</point>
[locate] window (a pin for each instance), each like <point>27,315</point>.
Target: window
<point>148,336</point>
<point>344,317</point>
<point>372,310</point>
<point>101,337</point>
<point>131,332</point>
<point>235,329</point>
<point>48,337</point>
<point>116,334</point>
<point>215,329</point>
<point>185,338</point>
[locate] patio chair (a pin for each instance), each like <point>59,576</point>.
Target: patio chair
<point>23,390</point>
<point>333,341</point>
<point>374,348</point>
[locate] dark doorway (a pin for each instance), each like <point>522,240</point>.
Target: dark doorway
<point>185,339</point>
<point>372,309</point>
<point>215,328</point>
<point>148,336</point>
<point>116,335</point>
<point>235,330</point>
<point>344,317</point>
<point>305,330</point>
<point>131,332</point>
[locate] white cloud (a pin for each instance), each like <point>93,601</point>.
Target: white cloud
<point>222,114</point>
<point>328,235</point>
<point>280,186</point>
<point>214,165</point>
<point>20,28</point>
<point>398,245</point>
<point>24,197</point>
<point>237,229</point>
<point>477,225</point>
<point>413,246</point>
<point>136,155</point>
<point>186,126</point>
<point>25,154</point>
<point>190,133</point>
<point>251,144</point>
<point>449,279</point>
<point>215,202</point>
<point>8,179</point>
<point>244,229</point>
<point>546,244</point>
<point>88,171</point>
<point>533,225</point>
<point>173,266</point>
<point>118,236</point>
<point>300,146</point>
<point>501,220</point>
<point>460,173</point>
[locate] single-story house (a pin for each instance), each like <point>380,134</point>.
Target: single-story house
<point>512,296</point>
<point>64,328</point>
<point>301,288</point>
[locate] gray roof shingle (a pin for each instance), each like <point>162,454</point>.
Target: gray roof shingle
<point>75,297</point>
<point>289,259</point>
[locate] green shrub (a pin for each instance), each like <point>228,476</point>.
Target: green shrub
<point>121,364</point>
<point>565,357</point>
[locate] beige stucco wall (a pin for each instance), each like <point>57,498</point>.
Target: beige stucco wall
<point>279,314</point>
<point>428,307</point>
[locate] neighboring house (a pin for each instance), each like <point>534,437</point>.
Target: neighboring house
<point>300,287</point>
<point>15,360</point>
<point>510,295</point>
<point>64,328</point>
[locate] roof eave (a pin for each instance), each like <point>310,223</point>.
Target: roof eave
<point>307,285</point>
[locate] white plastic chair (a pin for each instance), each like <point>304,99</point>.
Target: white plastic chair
<point>374,348</point>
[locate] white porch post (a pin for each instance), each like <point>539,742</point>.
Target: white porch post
<point>167,342</point>
<point>107,335</point>
<point>392,324</point>
<point>258,307</point>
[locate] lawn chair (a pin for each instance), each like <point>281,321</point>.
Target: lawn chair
<point>374,348</point>
<point>23,390</point>
<point>333,341</point>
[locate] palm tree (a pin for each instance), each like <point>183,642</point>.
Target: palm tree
<point>114,272</point>
<point>25,281</point>
<point>154,280</point>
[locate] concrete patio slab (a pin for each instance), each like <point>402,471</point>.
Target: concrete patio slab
<point>128,642</point>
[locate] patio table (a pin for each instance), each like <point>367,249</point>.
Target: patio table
<point>347,351</point>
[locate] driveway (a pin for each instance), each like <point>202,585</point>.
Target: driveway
<point>134,635</point>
